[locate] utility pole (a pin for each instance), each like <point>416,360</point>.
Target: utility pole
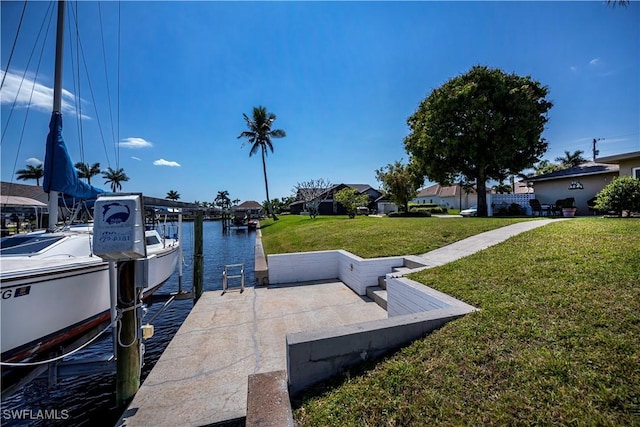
<point>596,152</point>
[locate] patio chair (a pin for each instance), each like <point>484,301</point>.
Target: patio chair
<point>535,206</point>
<point>556,209</point>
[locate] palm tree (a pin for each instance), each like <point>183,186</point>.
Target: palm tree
<point>115,177</point>
<point>222,199</point>
<point>86,171</point>
<point>173,195</point>
<point>259,136</point>
<point>31,172</point>
<point>571,160</point>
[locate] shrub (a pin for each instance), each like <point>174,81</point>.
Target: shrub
<point>410,214</point>
<point>428,207</point>
<point>621,194</point>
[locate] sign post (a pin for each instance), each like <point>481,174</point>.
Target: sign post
<point>119,236</point>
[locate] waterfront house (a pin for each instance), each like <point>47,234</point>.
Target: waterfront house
<point>581,183</point>
<point>328,206</point>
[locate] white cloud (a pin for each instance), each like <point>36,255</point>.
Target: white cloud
<point>595,61</point>
<point>135,143</point>
<point>573,68</point>
<point>163,162</point>
<point>136,158</point>
<point>33,161</point>
<point>27,93</point>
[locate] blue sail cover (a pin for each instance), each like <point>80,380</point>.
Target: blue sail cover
<point>59,172</point>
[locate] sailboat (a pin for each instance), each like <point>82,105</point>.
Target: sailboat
<point>53,288</point>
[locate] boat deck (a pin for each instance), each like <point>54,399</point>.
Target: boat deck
<point>201,378</point>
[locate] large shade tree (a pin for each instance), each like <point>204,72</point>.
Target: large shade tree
<point>480,125</point>
<point>31,172</point>
<point>259,134</point>
<point>115,177</point>
<point>87,171</point>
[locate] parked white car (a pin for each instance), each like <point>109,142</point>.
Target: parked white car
<point>472,211</point>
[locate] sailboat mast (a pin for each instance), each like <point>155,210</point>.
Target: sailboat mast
<point>57,102</point>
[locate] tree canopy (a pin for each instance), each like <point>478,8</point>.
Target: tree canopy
<point>350,199</point>
<point>399,183</point>
<point>482,125</point>
<point>259,135</point>
<point>31,172</point>
<point>114,177</point>
<point>570,160</point>
<point>87,171</point>
<point>312,193</point>
<point>173,195</point>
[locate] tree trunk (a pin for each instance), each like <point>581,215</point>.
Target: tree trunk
<point>266,187</point>
<point>481,187</point>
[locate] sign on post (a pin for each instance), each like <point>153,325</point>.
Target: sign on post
<point>118,231</point>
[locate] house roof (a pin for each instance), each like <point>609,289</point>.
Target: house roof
<point>21,190</point>
<point>249,204</point>
<point>360,188</point>
<point>616,158</point>
<point>20,201</point>
<point>589,168</point>
<point>437,190</point>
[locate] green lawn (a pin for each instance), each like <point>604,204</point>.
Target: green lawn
<point>371,237</point>
<point>556,341</point>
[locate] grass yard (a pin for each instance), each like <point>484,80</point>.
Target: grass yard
<point>555,342</point>
<point>371,237</point>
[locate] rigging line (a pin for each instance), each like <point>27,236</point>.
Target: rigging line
<point>85,345</point>
<point>106,75</point>
<point>76,78</point>
<point>26,116</point>
<point>15,41</point>
<point>93,98</point>
<point>118,92</point>
<point>35,45</point>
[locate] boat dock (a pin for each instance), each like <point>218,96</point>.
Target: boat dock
<point>202,376</point>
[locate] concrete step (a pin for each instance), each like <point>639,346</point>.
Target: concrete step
<point>403,270</point>
<point>413,262</point>
<point>379,295</point>
<point>382,282</point>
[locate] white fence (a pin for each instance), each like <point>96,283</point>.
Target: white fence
<point>495,201</point>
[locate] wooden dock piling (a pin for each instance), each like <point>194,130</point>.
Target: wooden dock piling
<point>198,257</point>
<point>128,354</point>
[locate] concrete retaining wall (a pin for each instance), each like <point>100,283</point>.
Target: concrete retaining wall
<point>302,267</point>
<point>260,270</point>
<point>355,272</point>
<point>315,356</point>
<point>359,273</point>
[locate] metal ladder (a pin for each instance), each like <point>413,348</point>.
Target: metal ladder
<point>232,271</point>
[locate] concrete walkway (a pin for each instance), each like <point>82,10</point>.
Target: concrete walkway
<point>481,241</point>
<point>202,376</point>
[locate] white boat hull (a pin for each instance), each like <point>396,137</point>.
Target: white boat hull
<point>43,307</point>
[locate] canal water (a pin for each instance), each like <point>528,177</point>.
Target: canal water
<point>90,400</point>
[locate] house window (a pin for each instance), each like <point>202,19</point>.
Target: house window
<point>635,172</point>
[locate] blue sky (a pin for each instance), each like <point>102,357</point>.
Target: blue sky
<point>342,78</point>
